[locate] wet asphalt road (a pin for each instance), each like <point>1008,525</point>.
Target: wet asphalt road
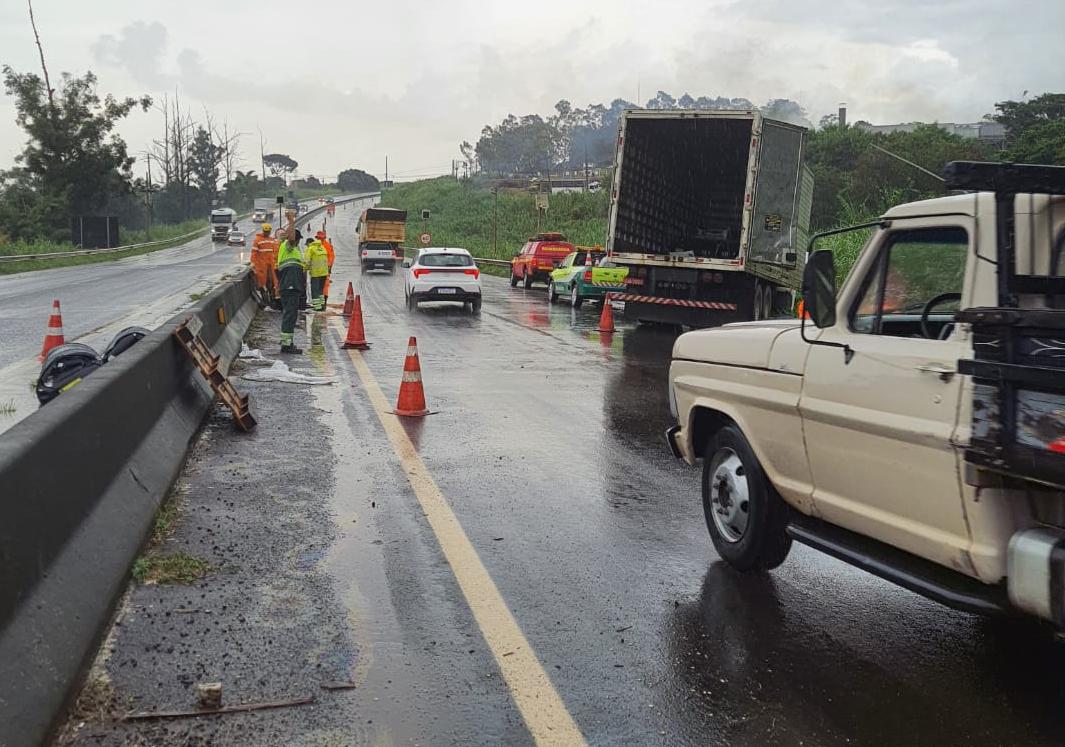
<point>547,446</point>
<point>98,300</point>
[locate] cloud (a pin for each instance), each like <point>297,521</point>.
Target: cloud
<point>138,49</point>
<point>413,79</point>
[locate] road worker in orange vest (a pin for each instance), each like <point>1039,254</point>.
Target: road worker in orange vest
<point>263,261</point>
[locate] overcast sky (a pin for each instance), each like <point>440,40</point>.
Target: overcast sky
<point>347,82</point>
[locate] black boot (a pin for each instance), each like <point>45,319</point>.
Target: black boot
<point>291,349</point>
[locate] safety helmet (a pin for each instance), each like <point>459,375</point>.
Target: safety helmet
<point>320,235</point>
<point>267,228</point>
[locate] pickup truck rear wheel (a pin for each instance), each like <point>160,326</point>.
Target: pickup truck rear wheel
<point>552,294</point>
<point>513,280</point>
<point>745,516</point>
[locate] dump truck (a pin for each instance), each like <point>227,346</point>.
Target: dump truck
<point>913,423</point>
<point>710,212</point>
<point>381,235</point>
<point>222,221</point>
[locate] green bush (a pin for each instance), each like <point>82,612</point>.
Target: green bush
<point>463,215</point>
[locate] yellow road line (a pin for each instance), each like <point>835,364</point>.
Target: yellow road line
<point>541,706</point>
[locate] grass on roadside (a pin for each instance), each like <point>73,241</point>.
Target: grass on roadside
<point>169,569</point>
<point>157,568</point>
<point>463,215</point>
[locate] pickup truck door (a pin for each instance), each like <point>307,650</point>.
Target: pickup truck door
<point>879,429</point>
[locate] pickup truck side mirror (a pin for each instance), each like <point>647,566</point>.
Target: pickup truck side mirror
<point>819,288</point>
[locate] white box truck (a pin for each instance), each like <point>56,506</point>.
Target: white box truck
<point>222,220</point>
<point>710,212</point>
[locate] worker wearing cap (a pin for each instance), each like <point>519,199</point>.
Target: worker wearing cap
<point>291,277</point>
<point>332,255</point>
<point>263,262</point>
<point>318,269</point>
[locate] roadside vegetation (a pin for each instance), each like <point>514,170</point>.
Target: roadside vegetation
<point>74,164</point>
<point>155,567</point>
<point>466,214</point>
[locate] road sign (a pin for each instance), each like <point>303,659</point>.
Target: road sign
<point>425,215</point>
<point>425,238</point>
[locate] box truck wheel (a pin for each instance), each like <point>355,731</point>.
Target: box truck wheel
<point>744,514</point>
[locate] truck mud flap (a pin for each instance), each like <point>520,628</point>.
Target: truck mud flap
<point>687,316</point>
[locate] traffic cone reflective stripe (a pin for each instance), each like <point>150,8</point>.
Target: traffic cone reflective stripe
<point>356,334</point>
<point>53,336</point>
<point>349,301</point>
<point>606,319</point>
<point>411,401</point>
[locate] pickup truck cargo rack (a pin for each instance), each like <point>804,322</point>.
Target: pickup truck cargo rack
<point>1018,365</point>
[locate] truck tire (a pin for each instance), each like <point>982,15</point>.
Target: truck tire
<point>552,294</point>
<point>513,280</point>
<point>744,514</point>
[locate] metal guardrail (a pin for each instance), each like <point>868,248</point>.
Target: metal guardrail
<point>111,250</point>
<point>478,260</point>
<point>145,244</point>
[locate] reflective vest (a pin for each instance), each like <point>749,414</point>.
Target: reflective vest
<point>317,260</point>
<point>290,254</point>
<point>263,243</point>
<point>290,267</point>
<point>329,250</point>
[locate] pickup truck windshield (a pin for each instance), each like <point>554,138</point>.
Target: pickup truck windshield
<point>917,272</point>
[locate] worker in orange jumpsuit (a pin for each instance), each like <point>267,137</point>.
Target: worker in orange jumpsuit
<point>332,256</point>
<point>263,260</point>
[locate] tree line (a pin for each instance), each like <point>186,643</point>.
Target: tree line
<point>75,164</point>
<point>857,172</point>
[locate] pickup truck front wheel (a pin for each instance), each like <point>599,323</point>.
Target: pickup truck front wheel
<point>744,514</point>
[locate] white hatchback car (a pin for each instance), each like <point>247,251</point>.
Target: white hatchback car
<point>442,275</point>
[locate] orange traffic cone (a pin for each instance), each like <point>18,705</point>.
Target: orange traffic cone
<point>411,402</point>
<point>53,337</point>
<point>356,334</point>
<point>349,301</point>
<point>606,319</point>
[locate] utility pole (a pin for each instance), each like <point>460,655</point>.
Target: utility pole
<point>262,156</point>
<point>495,220</point>
<point>148,201</point>
<point>586,169</point>
<point>386,168</point>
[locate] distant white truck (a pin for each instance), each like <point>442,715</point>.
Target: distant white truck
<point>263,211</point>
<point>222,221</point>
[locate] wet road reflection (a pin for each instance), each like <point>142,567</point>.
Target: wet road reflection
<point>548,444</point>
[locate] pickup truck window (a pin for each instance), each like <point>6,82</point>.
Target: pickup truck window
<point>913,268</point>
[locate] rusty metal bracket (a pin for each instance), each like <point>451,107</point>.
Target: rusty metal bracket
<point>207,362</point>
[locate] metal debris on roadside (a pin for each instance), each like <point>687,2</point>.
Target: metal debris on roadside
<point>148,715</point>
<point>207,362</point>
<point>338,686</point>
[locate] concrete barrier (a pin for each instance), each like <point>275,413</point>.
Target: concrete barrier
<point>80,483</point>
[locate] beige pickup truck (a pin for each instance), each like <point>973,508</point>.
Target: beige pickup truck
<point>914,423</point>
